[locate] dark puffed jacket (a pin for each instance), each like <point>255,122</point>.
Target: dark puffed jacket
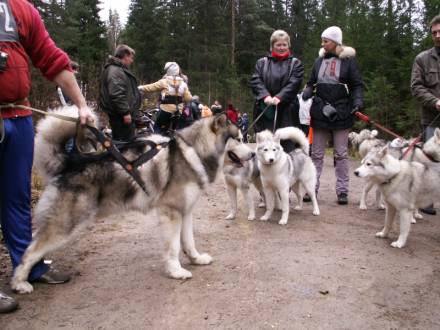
<point>338,83</point>
<point>280,78</point>
<point>119,93</point>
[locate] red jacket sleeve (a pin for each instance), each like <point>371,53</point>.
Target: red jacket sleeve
<point>43,52</point>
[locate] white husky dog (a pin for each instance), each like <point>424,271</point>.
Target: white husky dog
<point>240,169</point>
<point>280,170</point>
<point>405,186</point>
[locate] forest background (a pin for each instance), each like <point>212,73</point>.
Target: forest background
<point>217,42</point>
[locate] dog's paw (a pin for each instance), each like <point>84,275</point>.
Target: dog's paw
<point>418,215</point>
<point>362,206</point>
<point>413,220</point>
<point>381,234</point>
<point>202,259</point>
<point>381,207</point>
<point>265,217</point>
<point>230,216</point>
<point>251,217</point>
<point>316,212</point>
<point>261,205</point>
<point>298,208</point>
<point>22,287</point>
<point>282,222</point>
<point>398,244</point>
<point>180,274</point>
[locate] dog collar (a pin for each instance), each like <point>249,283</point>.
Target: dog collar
<point>389,180</point>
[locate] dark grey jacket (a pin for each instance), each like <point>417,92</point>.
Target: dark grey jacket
<point>119,94</point>
<point>425,84</point>
<point>281,78</point>
<point>344,92</point>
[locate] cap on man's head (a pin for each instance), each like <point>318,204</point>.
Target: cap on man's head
<point>172,68</point>
<point>333,33</point>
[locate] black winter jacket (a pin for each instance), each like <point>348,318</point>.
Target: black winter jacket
<point>119,94</point>
<point>343,92</point>
<point>281,78</point>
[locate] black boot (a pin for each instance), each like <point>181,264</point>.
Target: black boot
<point>429,210</point>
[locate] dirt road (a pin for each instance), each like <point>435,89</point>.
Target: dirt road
<point>326,272</point>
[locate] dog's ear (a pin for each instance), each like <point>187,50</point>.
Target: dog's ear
<point>220,121</point>
<point>259,138</point>
<point>277,138</point>
<point>383,152</point>
<point>437,133</point>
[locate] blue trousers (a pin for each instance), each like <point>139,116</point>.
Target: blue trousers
<point>16,156</point>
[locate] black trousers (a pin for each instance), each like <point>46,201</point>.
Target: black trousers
<point>120,130</point>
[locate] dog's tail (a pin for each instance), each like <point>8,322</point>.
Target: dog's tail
<point>50,142</point>
<point>295,135</point>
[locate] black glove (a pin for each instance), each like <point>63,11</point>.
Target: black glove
<point>307,93</point>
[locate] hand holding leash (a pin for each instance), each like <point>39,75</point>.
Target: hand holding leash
<point>275,100</point>
<point>85,115</point>
<point>268,100</point>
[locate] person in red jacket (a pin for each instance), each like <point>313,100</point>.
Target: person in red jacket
<point>23,37</point>
<point>232,114</point>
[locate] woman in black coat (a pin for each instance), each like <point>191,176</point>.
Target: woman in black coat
<point>275,84</point>
<point>338,88</point>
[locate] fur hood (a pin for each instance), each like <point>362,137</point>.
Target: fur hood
<point>342,52</point>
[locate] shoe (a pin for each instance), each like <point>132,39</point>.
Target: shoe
<point>7,304</point>
<point>53,276</point>
<point>429,210</point>
<point>342,199</point>
<point>307,198</point>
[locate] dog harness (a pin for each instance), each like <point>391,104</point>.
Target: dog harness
<point>131,167</point>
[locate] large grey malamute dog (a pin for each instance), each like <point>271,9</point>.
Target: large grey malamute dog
<point>405,186</point>
<point>76,195</point>
<point>280,170</point>
<point>241,172</point>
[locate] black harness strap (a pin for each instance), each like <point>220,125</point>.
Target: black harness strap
<point>131,167</point>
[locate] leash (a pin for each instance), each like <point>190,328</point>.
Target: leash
<point>256,119</point>
<point>20,106</point>
<point>46,113</point>
<point>413,144</point>
<point>275,119</point>
<point>367,119</point>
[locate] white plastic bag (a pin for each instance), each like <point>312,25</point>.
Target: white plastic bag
<point>304,110</point>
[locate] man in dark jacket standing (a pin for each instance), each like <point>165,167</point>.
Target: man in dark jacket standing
<point>425,86</point>
<point>120,97</point>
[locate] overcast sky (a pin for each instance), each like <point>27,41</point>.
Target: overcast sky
<point>121,6</point>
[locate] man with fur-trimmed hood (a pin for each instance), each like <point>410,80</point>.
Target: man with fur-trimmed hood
<point>337,87</point>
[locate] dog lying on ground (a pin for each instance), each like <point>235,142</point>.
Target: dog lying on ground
<point>281,171</point>
<point>241,171</point>
<point>406,186</point>
<point>77,194</point>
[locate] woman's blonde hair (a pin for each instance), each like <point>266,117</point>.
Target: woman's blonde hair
<point>277,35</point>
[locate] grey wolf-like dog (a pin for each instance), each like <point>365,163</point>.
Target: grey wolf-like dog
<point>75,195</point>
<point>406,186</point>
<point>241,172</point>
